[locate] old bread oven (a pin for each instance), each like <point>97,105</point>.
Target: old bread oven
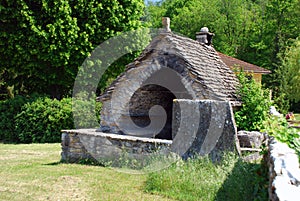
<point>171,67</point>
<point>177,86</point>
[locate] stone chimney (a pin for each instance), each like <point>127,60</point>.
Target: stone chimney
<point>166,23</point>
<point>204,36</point>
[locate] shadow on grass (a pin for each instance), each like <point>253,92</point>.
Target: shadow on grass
<point>54,163</point>
<point>246,181</point>
<point>86,162</point>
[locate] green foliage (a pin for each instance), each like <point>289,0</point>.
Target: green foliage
<point>255,104</point>
<point>279,128</point>
<point>230,20</point>
<point>44,42</point>
<point>86,113</point>
<point>8,110</point>
<point>42,120</point>
<point>282,103</point>
<point>289,74</point>
<point>200,179</point>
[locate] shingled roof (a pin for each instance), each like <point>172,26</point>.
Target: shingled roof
<point>201,64</point>
<point>247,67</point>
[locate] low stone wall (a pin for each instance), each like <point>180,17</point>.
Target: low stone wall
<point>283,164</point>
<point>83,144</point>
<point>284,172</point>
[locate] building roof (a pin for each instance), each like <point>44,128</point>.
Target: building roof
<point>247,67</point>
<point>210,78</point>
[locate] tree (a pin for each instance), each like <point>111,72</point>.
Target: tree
<point>282,19</point>
<point>42,43</point>
<point>229,20</point>
<point>255,104</point>
<point>289,74</point>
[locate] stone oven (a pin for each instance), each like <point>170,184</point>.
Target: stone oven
<point>175,100</point>
<point>139,102</point>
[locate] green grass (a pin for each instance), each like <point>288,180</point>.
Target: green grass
<point>33,172</point>
<point>200,179</point>
<point>297,117</point>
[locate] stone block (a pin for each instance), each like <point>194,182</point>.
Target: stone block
<point>251,139</point>
<point>203,127</point>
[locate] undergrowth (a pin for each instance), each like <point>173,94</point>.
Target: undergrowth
<point>278,127</point>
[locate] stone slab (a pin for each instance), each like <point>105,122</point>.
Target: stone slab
<point>203,127</point>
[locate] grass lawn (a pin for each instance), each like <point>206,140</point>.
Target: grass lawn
<point>33,172</point>
<point>297,117</point>
<point>296,122</point>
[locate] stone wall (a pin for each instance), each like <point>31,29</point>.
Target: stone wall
<point>283,164</point>
<point>83,144</point>
<point>284,172</point>
<point>144,99</point>
<point>199,127</point>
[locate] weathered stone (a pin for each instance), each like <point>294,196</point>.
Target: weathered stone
<point>284,172</point>
<point>112,148</point>
<point>171,67</point>
<point>203,127</point>
<point>251,139</point>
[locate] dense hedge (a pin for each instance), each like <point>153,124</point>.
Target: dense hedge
<point>35,120</point>
<point>43,119</point>
<point>8,110</point>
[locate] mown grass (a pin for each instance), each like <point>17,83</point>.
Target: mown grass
<point>200,179</point>
<point>33,172</point>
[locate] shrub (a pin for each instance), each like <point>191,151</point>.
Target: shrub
<point>8,110</point>
<point>255,104</point>
<point>42,120</point>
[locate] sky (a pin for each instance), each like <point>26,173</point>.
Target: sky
<point>146,1</point>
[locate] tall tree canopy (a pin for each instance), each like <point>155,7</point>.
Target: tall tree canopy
<point>255,31</point>
<point>42,43</point>
<point>289,73</point>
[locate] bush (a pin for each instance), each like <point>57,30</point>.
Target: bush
<point>8,110</point>
<point>39,120</point>
<point>255,104</point>
<point>42,120</point>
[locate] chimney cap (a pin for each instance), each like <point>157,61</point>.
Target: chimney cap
<point>204,36</point>
<point>204,30</point>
